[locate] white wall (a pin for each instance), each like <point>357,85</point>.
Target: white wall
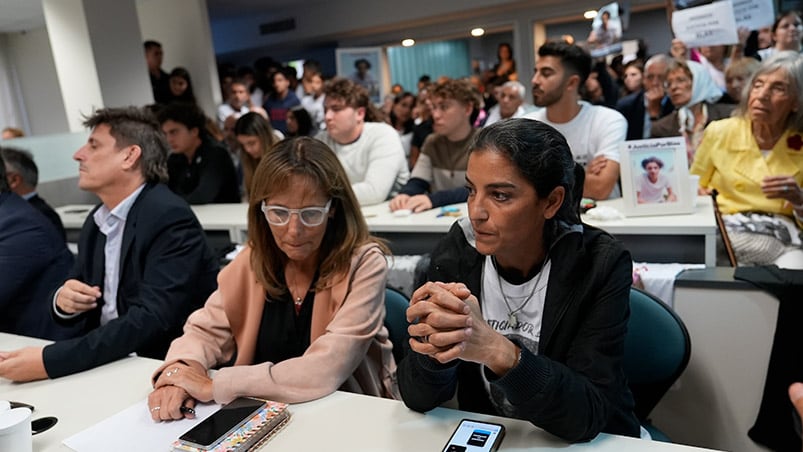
<point>75,62</point>
<point>11,114</point>
<point>32,58</point>
<point>116,44</point>
<point>182,27</point>
<point>716,400</point>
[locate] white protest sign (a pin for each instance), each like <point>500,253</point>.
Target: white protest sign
<point>753,14</point>
<point>706,25</point>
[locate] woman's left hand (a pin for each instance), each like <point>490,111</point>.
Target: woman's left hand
<point>196,382</point>
<point>170,403</point>
<point>439,320</point>
<point>486,346</point>
<point>782,187</point>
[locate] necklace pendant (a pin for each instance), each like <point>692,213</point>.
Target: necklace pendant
<point>512,319</point>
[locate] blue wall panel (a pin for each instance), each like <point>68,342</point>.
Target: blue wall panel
<point>449,58</point>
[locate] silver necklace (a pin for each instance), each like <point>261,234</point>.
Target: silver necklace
<point>512,318</point>
<point>297,300</point>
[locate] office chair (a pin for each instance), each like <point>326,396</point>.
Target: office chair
<point>657,350</point>
<point>396,304</point>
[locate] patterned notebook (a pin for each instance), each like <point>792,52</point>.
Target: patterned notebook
<point>251,434</point>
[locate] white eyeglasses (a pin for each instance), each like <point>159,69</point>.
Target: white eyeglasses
<point>309,216</point>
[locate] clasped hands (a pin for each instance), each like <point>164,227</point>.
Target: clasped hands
<point>450,326</point>
<point>177,389</point>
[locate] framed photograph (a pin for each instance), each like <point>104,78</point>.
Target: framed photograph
<point>363,66</point>
<point>606,32</point>
<point>655,177</point>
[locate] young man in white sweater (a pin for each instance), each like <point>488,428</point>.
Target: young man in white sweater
<point>371,152</point>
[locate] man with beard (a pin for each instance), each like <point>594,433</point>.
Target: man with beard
<point>593,132</point>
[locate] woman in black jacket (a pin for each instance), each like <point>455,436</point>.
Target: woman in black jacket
<point>529,316</point>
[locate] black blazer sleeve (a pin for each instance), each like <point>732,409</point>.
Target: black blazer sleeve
<point>167,271</point>
<point>632,108</point>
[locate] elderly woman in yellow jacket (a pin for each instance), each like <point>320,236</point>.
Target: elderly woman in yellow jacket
<point>755,161</point>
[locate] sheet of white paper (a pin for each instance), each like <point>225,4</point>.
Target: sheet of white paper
<point>132,430</point>
<point>706,25</point>
<point>754,14</point>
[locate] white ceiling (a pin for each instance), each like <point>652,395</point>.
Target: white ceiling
<point>22,15</point>
<point>225,9</point>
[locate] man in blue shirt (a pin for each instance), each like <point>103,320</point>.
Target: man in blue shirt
<point>143,263</point>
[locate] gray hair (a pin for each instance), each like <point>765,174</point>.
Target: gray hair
<point>21,162</point>
<point>791,63</point>
<point>516,86</point>
<point>658,58</point>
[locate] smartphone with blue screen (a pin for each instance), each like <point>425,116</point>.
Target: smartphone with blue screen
<point>475,436</point>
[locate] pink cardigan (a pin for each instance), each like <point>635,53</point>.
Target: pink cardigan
<point>349,346</point>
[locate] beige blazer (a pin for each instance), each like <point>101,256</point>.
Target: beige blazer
<point>349,346</point>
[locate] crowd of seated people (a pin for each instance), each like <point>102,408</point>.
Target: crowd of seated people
<point>299,313</point>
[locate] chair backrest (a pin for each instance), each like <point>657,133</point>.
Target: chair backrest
<point>396,304</point>
<point>657,349</point>
<point>723,231</point>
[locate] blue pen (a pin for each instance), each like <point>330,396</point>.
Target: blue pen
<point>449,212</point>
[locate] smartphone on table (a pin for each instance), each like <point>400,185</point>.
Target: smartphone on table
<point>475,436</point>
<point>212,430</point>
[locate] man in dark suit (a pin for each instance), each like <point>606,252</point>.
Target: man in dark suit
<point>34,261</point>
<point>23,177</point>
<point>143,264</point>
<point>650,103</point>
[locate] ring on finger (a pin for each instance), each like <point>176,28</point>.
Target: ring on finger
<point>172,371</point>
<point>156,408</point>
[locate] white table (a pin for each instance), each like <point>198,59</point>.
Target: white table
<point>80,400</point>
<point>687,238</point>
<point>339,422</point>
<point>414,234</point>
<point>231,218</point>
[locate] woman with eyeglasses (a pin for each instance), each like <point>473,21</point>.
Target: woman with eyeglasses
<point>695,95</point>
<point>755,161</point>
<point>299,313</point>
